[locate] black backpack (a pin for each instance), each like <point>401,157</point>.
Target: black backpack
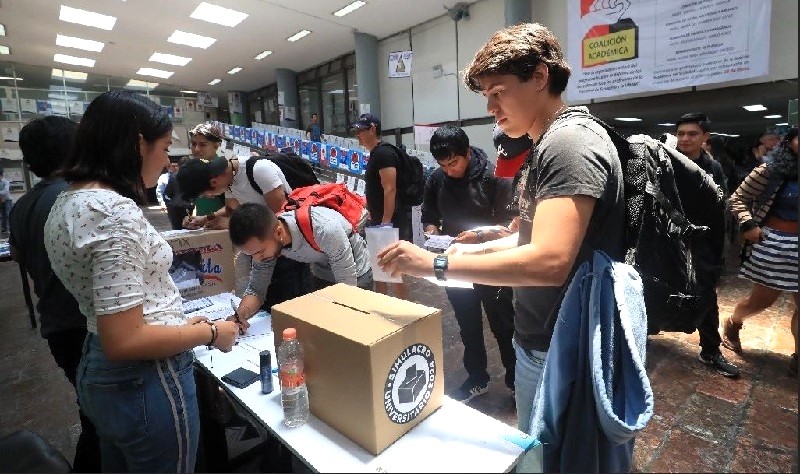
<point>410,177</point>
<point>675,231</point>
<point>297,171</point>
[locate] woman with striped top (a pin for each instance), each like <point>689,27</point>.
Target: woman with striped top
<point>765,205</point>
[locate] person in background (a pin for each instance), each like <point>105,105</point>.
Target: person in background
<point>45,144</point>
<point>770,139</point>
<point>463,198</point>
<point>718,152</point>
<point>135,378</point>
<point>5,203</point>
<point>204,142</point>
<point>753,159</point>
<point>313,129</point>
<point>343,256</point>
<point>765,205</point>
<point>511,153</point>
<point>570,197</point>
<point>169,196</point>
<point>380,179</point>
<point>692,130</point>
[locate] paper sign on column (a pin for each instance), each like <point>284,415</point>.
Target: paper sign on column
<point>339,178</point>
<point>351,183</point>
<point>28,105</point>
<point>9,105</point>
<point>361,187</point>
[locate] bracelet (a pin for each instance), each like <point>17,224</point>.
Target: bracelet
<point>214,332</point>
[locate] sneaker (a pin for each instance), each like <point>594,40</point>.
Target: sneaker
<point>719,363</point>
<point>469,390</point>
<point>730,335</point>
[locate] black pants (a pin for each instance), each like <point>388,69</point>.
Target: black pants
<point>289,280</point>
<point>710,339</point>
<point>66,347</point>
<point>176,214</point>
<point>365,281</point>
<point>497,302</point>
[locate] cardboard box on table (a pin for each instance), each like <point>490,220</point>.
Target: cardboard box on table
<point>202,262</point>
<point>374,365</point>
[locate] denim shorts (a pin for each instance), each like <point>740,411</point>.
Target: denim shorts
<point>145,411</point>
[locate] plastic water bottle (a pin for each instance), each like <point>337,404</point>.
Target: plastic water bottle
<point>291,372</point>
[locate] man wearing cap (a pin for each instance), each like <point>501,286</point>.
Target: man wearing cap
<point>169,197</point>
<point>222,175</point>
<point>511,152</point>
<point>381,180</point>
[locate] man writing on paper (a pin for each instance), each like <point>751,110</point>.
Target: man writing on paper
<point>462,196</point>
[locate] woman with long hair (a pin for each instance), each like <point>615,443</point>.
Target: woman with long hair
<point>135,379</point>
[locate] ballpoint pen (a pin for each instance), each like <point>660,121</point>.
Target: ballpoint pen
<point>236,317</point>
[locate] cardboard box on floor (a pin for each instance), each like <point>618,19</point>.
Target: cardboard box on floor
<point>202,262</point>
<point>373,362</point>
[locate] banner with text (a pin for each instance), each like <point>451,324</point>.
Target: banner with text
<point>627,46</point>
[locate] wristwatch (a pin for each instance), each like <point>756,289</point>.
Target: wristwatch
<point>440,266</point>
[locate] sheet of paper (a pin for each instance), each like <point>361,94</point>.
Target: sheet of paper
<point>450,283</point>
<point>361,187</point>
<point>339,178</point>
<point>351,183</point>
<point>438,242</point>
<point>213,307</point>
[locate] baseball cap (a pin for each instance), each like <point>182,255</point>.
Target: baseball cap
<point>507,147</point>
<point>365,121</point>
<point>194,177</point>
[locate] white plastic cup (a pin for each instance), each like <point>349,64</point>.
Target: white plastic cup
<point>377,239</point>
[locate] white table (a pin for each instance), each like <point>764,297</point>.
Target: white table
<point>455,438</point>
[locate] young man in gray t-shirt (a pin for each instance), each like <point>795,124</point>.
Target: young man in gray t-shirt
<point>570,196</point>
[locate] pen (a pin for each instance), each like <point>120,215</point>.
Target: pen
<point>236,317</point>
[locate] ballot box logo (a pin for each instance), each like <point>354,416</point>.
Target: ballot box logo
<point>410,383</point>
<point>610,38</point>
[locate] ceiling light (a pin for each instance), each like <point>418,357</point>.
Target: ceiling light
<point>86,18</point>
<point>169,59</point>
<point>79,43</point>
<point>234,70</point>
<point>137,84</point>
<point>349,8</point>
<point>214,82</point>
<point>5,49</point>
<point>667,124</point>
<point>190,39</point>
<point>189,92</point>
<point>74,75</point>
<point>219,15</point>
<point>754,108</point>
<point>262,55</point>
<point>74,60</point>
<point>148,71</point>
<point>772,116</point>
<point>2,30</point>
<point>628,119</point>
<point>299,35</point>
<point>10,78</point>
<point>782,124</point>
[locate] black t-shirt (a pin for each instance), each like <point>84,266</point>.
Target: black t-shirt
<point>58,309</point>
<point>382,156</point>
<point>574,157</point>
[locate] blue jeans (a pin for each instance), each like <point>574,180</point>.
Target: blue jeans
<point>530,366</point>
<point>145,411</point>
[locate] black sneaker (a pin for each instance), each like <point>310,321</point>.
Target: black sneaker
<point>719,363</point>
<point>469,390</point>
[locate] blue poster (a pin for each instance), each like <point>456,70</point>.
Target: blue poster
<point>334,153</point>
<point>354,161</point>
<point>313,152</point>
<point>364,161</point>
<point>305,149</point>
<point>260,139</point>
<point>280,141</point>
<point>44,107</point>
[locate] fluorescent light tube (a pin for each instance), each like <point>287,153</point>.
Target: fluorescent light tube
<point>349,8</point>
<point>191,39</point>
<point>86,18</point>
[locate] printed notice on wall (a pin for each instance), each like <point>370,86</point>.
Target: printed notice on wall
<point>400,63</point>
<point>628,46</point>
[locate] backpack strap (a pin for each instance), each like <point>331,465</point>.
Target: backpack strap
<point>248,168</point>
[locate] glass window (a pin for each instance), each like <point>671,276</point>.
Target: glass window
<point>352,96</point>
<point>334,111</point>
<point>309,103</point>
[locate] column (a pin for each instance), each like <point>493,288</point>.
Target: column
<point>367,73</point>
<point>288,97</point>
<point>518,11</point>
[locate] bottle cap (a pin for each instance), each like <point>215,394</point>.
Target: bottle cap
<point>266,355</point>
<point>289,334</point>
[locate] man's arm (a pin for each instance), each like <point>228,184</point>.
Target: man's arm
<point>256,292</point>
<point>559,227</point>
<point>333,239</point>
<point>389,185</point>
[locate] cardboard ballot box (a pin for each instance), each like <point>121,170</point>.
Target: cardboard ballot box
<point>373,362</point>
<point>202,262</point>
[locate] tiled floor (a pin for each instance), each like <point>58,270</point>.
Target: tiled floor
<point>702,422</point>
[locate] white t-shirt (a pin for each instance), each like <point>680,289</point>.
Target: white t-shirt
<point>110,258</point>
<point>266,173</point>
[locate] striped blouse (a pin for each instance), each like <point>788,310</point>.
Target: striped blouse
<point>746,202</point>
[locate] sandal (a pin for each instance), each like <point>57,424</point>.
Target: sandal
<point>730,335</point>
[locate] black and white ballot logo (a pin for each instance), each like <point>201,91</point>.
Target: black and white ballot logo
<point>410,383</point>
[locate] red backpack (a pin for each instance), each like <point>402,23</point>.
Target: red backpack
<point>335,196</point>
